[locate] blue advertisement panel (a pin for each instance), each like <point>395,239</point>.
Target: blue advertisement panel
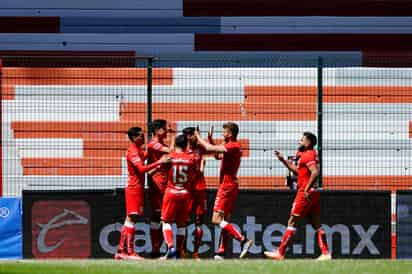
<point>11,240</point>
<point>404,224</point>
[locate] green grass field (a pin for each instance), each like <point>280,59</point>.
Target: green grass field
<point>206,266</point>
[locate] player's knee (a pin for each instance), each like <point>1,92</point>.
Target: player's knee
<point>217,217</point>
<point>293,220</point>
<point>134,218</point>
<point>316,225</point>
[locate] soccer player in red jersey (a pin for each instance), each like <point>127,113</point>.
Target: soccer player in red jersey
<point>307,200</point>
<point>198,203</point>
<point>228,187</point>
<point>134,192</point>
<point>156,148</point>
<point>182,176</point>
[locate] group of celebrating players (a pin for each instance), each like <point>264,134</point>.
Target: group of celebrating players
<point>177,188</point>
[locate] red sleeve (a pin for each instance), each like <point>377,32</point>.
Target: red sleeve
<point>139,164</point>
<point>230,148</point>
<point>156,146</point>
<point>309,159</point>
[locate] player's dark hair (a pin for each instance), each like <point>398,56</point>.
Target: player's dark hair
<point>181,141</point>
<point>134,132</point>
<point>189,131</point>
<point>311,137</point>
<point>234,128</point>
<point>157,124</point>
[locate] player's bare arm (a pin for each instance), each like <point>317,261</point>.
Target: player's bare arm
<point>286,163</point>
<point>202,166</point>
<point>218,156</point>
<point>209,147</point>
<point>172,132</point>
<point>148,168</point>
<point>210,135</point>
<point>314,173</point>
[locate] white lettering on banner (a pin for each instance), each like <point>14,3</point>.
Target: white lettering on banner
<point>366,239</point>
<point>342,230</point>
<point>271,237</point>
<point>104,237</point>
<point>52,224</point>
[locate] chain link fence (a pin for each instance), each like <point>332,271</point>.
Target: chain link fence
<point>64,121</point>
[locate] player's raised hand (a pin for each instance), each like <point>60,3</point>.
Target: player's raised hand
<point>170,129</point>
<point>279,155</point>
<point>197,132</point>
<point>210,133</point>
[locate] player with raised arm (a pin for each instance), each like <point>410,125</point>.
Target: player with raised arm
<point>156,148</point>
<point>228,187</point>
<point>198,203</point>
<point>182,176</point>
<point>307,200</point>
<point>134,192</point>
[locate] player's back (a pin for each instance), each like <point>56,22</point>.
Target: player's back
<point>134,155</point>
<point>182,172</point>
<point>231,161</point>
<point>154,152</point>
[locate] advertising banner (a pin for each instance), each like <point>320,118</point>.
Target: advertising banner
<point>11,241</point>
<point>404,224</point>
<point>357,225</point>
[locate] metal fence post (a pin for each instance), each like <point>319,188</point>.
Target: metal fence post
<point>149,94</point>
<point>320,118</point>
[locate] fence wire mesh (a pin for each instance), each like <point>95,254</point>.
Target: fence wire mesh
<point>64,121</point>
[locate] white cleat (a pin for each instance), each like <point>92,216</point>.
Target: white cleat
<point>324,257</point>
<point>218,257</point>
<point>245,248</point>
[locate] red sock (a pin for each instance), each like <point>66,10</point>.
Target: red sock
<point>323,245</point>
<point>130,239</point>
<point>155,236</point>
<point>168,235</point>
<point>121,247</point>
<point>223,240</point>
<point>286,240</point>
<point>198,238</point>
<point>229,228</point>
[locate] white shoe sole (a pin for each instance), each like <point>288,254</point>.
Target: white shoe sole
<point>324,258</point>
<point>245,249</point>
<point>218,257</point>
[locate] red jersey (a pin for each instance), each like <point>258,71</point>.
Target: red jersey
<point>154,150</point>
<point>307,159</point>
<point>230,162</point>
<point>197,154</point>
<point>135,166</point>
<point>182,173</point>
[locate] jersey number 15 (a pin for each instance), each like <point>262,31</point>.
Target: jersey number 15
<point>180,174</point>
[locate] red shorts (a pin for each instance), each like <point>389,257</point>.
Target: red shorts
<point>302,207</point>
<point>226,197</point>
<point>174,208</point>
<point>157,189</point>
<point>198,202</point>
<point>134,197</point>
